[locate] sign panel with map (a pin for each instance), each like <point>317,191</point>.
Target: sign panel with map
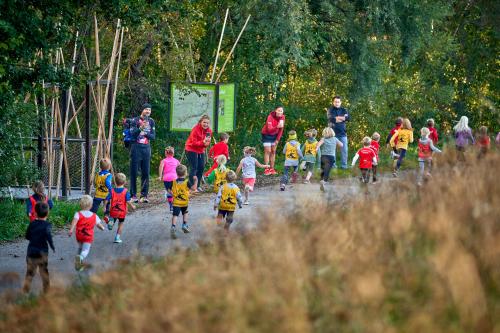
<point>188,102</point>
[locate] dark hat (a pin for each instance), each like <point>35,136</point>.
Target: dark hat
<point>399,121</point>
<point>146,106</point>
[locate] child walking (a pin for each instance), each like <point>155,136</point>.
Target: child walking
<point>375,146</point>
<point>483,142</point>
<point>463,137</point>
<point>180,191</point>
<point>38,195</point>
<point>247,166</point>
<point>120,199</point>
<point>167,173</point>
<point>220,148</point>
<point>404,137</point>
<point>39,233</point>
<point>103,186</point>
<point>228,196</point>
<point>218,175</point>
<point>84,222</point>
<point>292,154</point>
<point>366,157</point>
<point>310,153</point>
<point>425,149</point>
<point>327,146</point>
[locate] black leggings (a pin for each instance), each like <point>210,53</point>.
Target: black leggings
<point>196,166</point>
<point>327,162</point>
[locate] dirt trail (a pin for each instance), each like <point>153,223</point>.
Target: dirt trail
<point>146,233</point>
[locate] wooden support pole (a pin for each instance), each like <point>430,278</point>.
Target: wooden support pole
<point>218,47</point>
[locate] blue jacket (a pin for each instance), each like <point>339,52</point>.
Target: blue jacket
<point>338,128</point>
<point>135,131</point>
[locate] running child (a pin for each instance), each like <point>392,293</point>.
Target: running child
<point>375,146</point>
<point>247,166</point>
<point>434,133</point>
<point>366,157</point>
<point>483,142</point>
<point>103,186</point>
<point>397,126</point>
<point>120,199</point>
<point>220,148</point>
<point>167,173</point>
<point>327,146</point>
<point>83,224</point>
<point>425,149</point>
<point>38,195</point>
<point>292,154</point>
<point>463,137</point>
<point>218,175</point>
<point>400,141</point>
<point>228,196</point>
<point>180,191</point>
<point>310,153</point>
<point>39,233</point>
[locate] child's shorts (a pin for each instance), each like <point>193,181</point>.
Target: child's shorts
<point>168,185</point>
<point>310,166</point>
<point>225,212</point>
<point>250,182</point>
<point>119,219</point>
<point>177,210</point>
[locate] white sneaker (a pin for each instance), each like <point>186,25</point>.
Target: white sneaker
<point>117,239</point>
<point>322,185</point>
<point>246,202</point>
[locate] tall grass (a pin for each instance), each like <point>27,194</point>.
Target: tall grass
<point>398,260</point>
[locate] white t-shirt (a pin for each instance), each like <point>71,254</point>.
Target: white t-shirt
<point>248,169</point>
<point>87,213</point>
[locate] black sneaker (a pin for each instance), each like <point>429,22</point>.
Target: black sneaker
<point>173,232</point>
<point>144,200</point>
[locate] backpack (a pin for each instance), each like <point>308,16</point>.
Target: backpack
<point>127,134</point>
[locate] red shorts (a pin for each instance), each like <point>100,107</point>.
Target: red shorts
<point>250,182</point>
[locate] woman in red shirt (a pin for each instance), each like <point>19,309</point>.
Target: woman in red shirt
<point>271,135</point>
<point>197,142</point>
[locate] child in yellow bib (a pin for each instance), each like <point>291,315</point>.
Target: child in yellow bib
<point>404,136</point>
<point>103,185</point>
<point>180,193</point>
<point>292,154</point>
<point>218,175</point>
<point>311,154</point>
<point>228,197</point>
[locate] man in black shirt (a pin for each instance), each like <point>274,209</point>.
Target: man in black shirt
<point>37,257</point>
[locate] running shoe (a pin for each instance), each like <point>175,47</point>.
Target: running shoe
<point>78,263</point>
<point>185,228</point>
<point>173,232</point>
<point>106,219</point>
<point>246,202</point>
<point>267,172</point>
<point>144,200</point>
<point>134,199</point>
<point>306,181</point>
<point>110,225</point>
<point>272,172</point>
<point>117,239</point>
<point>322,185</point>
<point>282,187</point>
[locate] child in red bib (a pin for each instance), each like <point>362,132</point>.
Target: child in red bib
<point>425,149</point>
<point>83,224</point>
<point>38,195</point>
<point>120,199</point>
<point>483,142</point>
<point>375,146</point>
<point>220,148</point>
<point>366,157</point>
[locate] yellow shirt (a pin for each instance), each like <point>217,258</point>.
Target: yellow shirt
<point>310,148</point>
<point>291,152</point>
<point>229,198</point>
<point>404,138</point>
<point>180,192</point>
<point>220,179</point>
<point>101,190</point>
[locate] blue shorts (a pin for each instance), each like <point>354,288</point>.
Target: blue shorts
<point>177,210</point>
<point>225,212</point>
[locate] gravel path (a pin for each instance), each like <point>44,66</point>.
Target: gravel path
<point>146,233</point>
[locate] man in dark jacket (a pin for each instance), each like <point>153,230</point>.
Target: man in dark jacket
<point>37,257</point>
<point>142,130</point>
<point>337,117</point>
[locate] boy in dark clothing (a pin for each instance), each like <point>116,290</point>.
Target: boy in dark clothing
<point>37,257</point>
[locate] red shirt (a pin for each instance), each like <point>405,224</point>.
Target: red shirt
<point>433,135</point>
<point>220,148</point>
<point>391,134</point>
<point>271,126</point>
<point>118,206</point>
<point>366,155</point>
<point>484,141</point>
<point>375,146</point>
<point>33,203</point>
<point>195,140</point>
<point>424,150</point>
<point>85,228</point>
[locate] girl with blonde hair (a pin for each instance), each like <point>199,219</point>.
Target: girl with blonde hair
<point>463,137</point>
<point>400,140</point>
<point>327,145</point>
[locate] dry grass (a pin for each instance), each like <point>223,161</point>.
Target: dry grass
<point>398,261</point>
